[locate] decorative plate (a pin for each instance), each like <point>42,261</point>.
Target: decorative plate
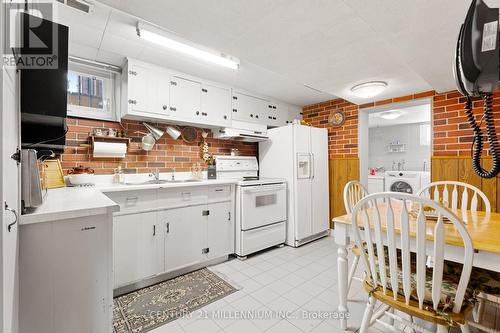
<point>336,118</point>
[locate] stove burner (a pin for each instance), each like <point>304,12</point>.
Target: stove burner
<point>250,178</point>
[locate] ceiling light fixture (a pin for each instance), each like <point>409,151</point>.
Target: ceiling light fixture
<point>369,89</point>
<point>391,115</point>
<point>187,48</point>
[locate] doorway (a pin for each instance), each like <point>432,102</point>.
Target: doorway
<point>395,137</point>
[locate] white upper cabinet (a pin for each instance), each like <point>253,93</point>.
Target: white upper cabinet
<point>155,93</point>
<point>249,108</point>
<point>277,114</point>
<point>185,98</point>
<point>215,106</point>
<point>139,95</point>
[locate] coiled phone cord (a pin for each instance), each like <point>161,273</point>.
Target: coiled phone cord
<point>477,144</point>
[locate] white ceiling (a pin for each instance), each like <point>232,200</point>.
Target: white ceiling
<point>410,115</point>
<point>330,45</point>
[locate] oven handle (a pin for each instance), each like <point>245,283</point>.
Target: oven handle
<point>264,188</point>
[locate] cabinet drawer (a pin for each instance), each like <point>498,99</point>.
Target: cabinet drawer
<point>219,193</point>
<point>261,238</point>
<point>131,201</point>
<point>182,196</point>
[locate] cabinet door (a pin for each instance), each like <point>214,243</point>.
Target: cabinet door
<point>183,236</point>
<point>81,268</point>
<point>248,108</point>
<point>220,230</point>
<point>277,114</point>
<point>215,106</point>
<point>140,96</point>
<point>185,98</point>
<point>162,100</point>
<point>137,247</point>
<point>320,204</point>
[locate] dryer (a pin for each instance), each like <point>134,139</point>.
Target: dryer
<point>403,181</point>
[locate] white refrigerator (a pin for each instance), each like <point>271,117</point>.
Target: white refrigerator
<point>300,155</point>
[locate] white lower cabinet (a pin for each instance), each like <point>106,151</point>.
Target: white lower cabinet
<point>137,247</point>
<point>190,226</point>
<point>183,237</point>
<point>220,230</point>
<point>65,276</point>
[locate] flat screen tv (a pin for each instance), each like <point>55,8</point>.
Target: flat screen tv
<point>43,64</point>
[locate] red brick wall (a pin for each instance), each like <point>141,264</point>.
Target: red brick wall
<point>452,133</point>
<point>342,141</point>
<point>166,154</point>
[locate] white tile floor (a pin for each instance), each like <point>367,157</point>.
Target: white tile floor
<point>298,281</point>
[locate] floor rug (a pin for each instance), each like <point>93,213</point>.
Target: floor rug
<point>151,307</point>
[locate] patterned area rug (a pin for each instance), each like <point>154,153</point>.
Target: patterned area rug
<point>148,308</point>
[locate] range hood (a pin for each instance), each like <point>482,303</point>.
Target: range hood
<point>242,131</point>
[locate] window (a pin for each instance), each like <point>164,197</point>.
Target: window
<point>92,92</point>
<point>425,134</point>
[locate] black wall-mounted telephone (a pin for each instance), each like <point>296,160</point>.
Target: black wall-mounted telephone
<point>477,74</point>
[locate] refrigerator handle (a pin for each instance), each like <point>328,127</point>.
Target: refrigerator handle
<point>312,165</point>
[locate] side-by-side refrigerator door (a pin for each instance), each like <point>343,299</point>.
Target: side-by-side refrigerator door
<point>320,193</point>
<point>303,175</point>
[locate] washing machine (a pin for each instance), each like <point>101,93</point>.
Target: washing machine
<point>403,181</point>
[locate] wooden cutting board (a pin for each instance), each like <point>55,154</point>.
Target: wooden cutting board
<point>52,174</point>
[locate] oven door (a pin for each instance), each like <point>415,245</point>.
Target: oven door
<point>262,205</point>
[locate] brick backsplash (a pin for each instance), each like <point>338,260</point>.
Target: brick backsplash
<point>166,154</point>
<point>452,135</point>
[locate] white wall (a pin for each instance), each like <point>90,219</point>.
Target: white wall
<point>380,137</point>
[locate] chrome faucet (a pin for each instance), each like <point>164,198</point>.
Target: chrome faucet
<point>399,166</point>
<point>393,165</point>
<point>155,174</point>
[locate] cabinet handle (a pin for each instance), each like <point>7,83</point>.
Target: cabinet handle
<point>173,109</point>
<point>235,110</point>
<point>235,98</point>
<point>225,117</point>
<point>88,228</point>
<point>168,227</point>
<point>251,116</point>
<point>204,114</point>
<point>131,198</point>
<point>13,211</point>
<point>164,107</point>
<point>257,116</point>
<point>274,107</point>
<point>154,230</point>
<point>173,83</point>
<point>219,190</point>
<point>132,73</point>
<point>229,216</point>
<point>270,106</point>
<point>205,213</point>
<point>197,113</point>
<point>270,117</point>
<point>204,90</point>
<point>132,101</point>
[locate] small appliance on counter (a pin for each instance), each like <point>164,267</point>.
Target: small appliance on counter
<point>261,204</point>
<point>31,185</point>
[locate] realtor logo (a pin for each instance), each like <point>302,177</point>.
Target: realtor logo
<point>32,39</point>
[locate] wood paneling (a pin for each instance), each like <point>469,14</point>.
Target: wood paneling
<point>460,169</point>
<point>444,169</point>
<point>342,170</point>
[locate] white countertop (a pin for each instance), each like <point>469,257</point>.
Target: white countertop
<point>112,187</point>
<point>72,202</point>
<point>377,176</point>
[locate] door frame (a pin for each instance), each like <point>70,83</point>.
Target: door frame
<point>363,137</point>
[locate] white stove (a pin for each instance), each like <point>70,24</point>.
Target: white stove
<point>261,204</point>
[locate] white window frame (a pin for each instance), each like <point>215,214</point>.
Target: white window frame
<point>111,89</point>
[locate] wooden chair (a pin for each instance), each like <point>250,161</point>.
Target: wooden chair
<point>353,192</point>
<point>451,194</point>
<point>419,292</point>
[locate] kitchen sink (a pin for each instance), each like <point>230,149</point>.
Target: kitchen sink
<point>161,181</point>
<point>148,182</point>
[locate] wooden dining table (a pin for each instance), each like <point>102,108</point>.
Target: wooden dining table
<point>484,229</point>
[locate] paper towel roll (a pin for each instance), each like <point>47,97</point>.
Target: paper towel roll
<point>110,149</point>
